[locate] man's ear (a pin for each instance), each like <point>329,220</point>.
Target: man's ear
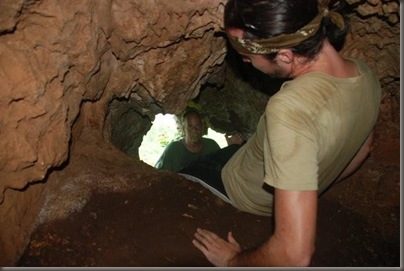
<point>285,55</point>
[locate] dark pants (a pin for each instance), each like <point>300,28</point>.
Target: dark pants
<point>209,168</point>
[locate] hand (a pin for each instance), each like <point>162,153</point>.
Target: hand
<point>216,250</point>
<point>234,139</point>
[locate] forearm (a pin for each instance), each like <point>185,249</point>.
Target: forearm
<point>260,256</point>
<point>272,253</point>
<point>293,241</point>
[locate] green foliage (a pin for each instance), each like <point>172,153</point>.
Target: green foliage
<point>163,139</point>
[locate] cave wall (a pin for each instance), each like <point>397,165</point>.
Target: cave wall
<point>62,62</point>
<point>74,68</point>
<point>56,55</point>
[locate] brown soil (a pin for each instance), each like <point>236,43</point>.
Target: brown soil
<point>358,223</point>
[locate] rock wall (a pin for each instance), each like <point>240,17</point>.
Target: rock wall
<point>71,70</point>
<point>62,62</point>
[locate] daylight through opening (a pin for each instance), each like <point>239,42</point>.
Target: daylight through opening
<point>164,130</point>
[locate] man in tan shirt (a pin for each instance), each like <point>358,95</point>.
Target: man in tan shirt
<point>316,130</point>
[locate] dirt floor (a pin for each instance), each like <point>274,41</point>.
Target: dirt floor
<point>358,223</point>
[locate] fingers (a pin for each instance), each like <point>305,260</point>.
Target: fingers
<point>205,236</point>
<point>233,241</point>
<point>204,241</point>
<point>200,246</point>
<point>231,238</point>
<point>217,250</point>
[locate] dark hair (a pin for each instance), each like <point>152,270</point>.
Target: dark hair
<point>261,19</point>
<point>194,111</point>
<point>190,110</point>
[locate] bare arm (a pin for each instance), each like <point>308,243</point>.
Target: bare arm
<point>292,243</point>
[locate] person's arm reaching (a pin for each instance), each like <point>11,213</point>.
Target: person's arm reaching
<point>292,243</point>
<point>236,138</point>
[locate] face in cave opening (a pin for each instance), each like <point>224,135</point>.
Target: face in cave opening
<point>164,130</point>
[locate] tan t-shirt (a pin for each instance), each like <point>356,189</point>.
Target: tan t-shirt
<point>310,131</point>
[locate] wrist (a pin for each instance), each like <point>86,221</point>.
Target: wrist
<point>233,261</point>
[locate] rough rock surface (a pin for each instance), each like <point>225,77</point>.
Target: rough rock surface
<point>70,70</point>
<point>61,62</point>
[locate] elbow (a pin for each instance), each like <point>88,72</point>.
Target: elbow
<point>305,260</point>
<point>367,149</point>
<point>368,145</point>
<point>301,258</point>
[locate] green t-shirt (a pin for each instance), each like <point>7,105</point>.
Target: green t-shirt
<point>310,131</point>
<point>176,156</point>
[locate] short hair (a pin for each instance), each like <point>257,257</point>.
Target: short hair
<point>191,110</point>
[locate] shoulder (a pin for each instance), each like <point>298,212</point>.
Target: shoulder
<point>210,142</point>
<point>175,142</point>
<point>360,63</point>
<point>365,71</point>
<point>304,94</point>
<point>293,96</point>
<point>308,82</point>
<point>174,145</point>
<point>298,102</point>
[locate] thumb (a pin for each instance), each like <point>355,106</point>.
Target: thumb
<point>231,239</point>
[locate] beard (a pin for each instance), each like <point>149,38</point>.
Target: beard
<point>277,71</point>
<point>280,73</point>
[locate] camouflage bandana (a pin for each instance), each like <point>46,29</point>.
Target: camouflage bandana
<point>274,44</point>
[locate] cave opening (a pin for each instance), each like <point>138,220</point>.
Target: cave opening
<point>165,129</point>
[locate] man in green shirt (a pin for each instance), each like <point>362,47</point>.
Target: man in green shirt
<point>179,153</point>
